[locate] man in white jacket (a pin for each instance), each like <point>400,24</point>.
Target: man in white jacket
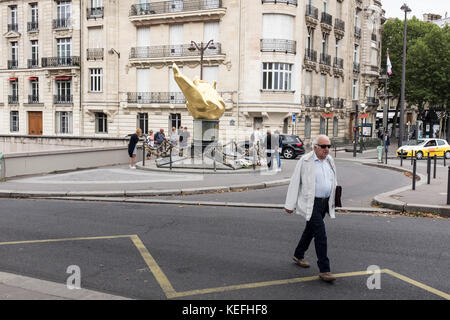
<point>311,194</point>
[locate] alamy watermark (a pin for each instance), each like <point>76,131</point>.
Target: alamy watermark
<point>74,280</point>
<point>374,281</point>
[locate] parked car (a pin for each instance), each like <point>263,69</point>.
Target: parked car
<point>425,148</point>
<point>291,146</point>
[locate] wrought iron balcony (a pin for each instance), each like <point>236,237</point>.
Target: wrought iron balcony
<point>33,99</point>
<point>181,50</point>
<point>156,97</point>
<point>278,45</point>
<point>357,32</point>
<point>95,54</point>
<point>13,99</point>
<point>173,6</point>
<point>311,55</point>
<point>62,23</point>
<point>338,63</point>
<point>310,101</point>
<point>73,61</point>
<point>337,103</point>
<point>325,59</point>
<point>32,26</point>
<point>312,12</point>
<point>372,101</point>
<point>33,63</point>
<point>94,13</point>
<point>13,27</point>
<point>326,18</point>
<point>293,2</point>
<point>339,24</point>
<point>13,64</point>
<point>62,99</point>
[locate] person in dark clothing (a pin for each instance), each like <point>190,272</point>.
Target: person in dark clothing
<point>159,138</point>
<point>132,147</point>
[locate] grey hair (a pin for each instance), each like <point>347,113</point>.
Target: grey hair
<point>315,142</point>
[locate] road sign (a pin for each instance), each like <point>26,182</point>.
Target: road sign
<point>293,118</point>
<point>363,115</point>
<point>327,115</point>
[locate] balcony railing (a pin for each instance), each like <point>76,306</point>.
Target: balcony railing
<point>278,45</point>
<point>33,99</point>
<point>357,32</point>
<point>312,12</point>
<point>13,99</point>
<point>309,101</point>
<point>293,2</point>
<point>156,97</point>
<point>13,64</point>
<point>62,23</point>
<point>181,50</point>
<point>374,37</point>
<point>325,59</point>
<point>94,13</point>
<point>32,26</point>
<point>372,101</point>
<point>338,63</point>
<point>62,99</point>
<point>339,24</point>
<point>13,27</point>
<point>33,63</point>
<point>61,62</point>
<point>95,53</point>
<point>356,66</point>
<point>311,55</point>
<point>173,6</point>
<point>326,18</point>
<point>337,103</point>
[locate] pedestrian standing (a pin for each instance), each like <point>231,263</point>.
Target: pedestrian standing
<point>174,137</point>
<point>150,140</point>
<point>132,147</point>
<point>269,143</point>
<point>388,142</point>
<point>278,149</point>
<point>159,137</point>
<point>311,193</point>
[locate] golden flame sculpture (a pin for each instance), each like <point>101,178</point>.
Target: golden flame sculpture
<point>203,101</point>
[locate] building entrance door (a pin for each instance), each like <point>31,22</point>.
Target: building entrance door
<point>35,123</point>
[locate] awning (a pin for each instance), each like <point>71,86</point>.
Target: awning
<point>12,79</point>
<point>32,78</point>
<point>63,78</point>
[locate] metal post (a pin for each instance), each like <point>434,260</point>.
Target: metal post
<point>335,150</point>
<point>143,153</point>
<point>428,169</point>
<point>401,157</point>
<point>414,174</point>
<point>434,171</point>
<point>448,186</point>
<point>355,134</point>
<point>214,157</point>
<point>402,93</point>
<point>444,160</point>
<point>412,156</point>
<point>170,159</point>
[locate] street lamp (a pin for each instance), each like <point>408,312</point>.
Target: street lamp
<point>202,48</point>
<point>327,106</point>
<point>402,95</point>
<point>114,51</point>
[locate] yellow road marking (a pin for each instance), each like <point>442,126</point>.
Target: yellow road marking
<point>418,284</point>
<point>170,292</point>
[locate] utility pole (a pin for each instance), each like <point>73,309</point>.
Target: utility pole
<point>355,133</point>
<point>402,95</point>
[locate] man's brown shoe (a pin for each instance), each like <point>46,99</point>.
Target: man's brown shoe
<point>301,262</point>
<point>327,276</point>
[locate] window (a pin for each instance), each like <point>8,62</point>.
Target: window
<point>309,39</point>
<point>335,127</point>
<point>14,121</point>
<point>96,3</point>
<point>14,51</point>
<point>324,43</point>
<point>322,125</point>
<point>308,127</point>
<point>308,81</point>
<point>63,10</point>
<point>64,47</point>
<point>34,13</point>
<point>356,54</point>
<point>278,26</point>
<point>174,121</point>
<point>101,122</point>
<point>63,91</point>
<point>336,88</point>
<point>14,89</point>
<point>34,53</point>
<point>355,89</point>
<point>325,6</point>
<point>13,26</point>
<point>95,81</point>
<point>323,85</point>
<point>34,91</point>
<point>277,76</point>
<point>142,119</point>
<point>337,47</point>
<point>63,122</point>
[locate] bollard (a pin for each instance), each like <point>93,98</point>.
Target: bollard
<point>401,158</point>
<point>428,169</point>
<point>448,186</point>
<point>334,151</point>
<point>434,171</point>
<point>143,153</point>
<point>170,159</point>
<point>414,174</point>
<point>412,157</point>
<point>214,157</point>
<point>444,160</point>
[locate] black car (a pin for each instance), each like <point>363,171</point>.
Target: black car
<point>291,146</point>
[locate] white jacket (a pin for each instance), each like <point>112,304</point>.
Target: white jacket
<point>300,195</point>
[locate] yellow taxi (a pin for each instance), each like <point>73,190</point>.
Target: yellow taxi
<point>425,148</point>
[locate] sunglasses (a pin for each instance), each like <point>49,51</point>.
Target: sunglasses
<point>323,146</point>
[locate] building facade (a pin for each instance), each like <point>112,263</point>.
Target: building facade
<point>106,68</point>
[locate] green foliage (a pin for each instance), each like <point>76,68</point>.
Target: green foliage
<point>427,61</point>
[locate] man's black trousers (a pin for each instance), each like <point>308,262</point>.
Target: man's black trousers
<point>315,228</point>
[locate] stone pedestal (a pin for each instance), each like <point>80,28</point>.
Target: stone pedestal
<point>205,133</point>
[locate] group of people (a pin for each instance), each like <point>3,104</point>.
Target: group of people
<point>271,143</point>
<point>178,138</point>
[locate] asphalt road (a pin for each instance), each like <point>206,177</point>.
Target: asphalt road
<point>360,184</point>
<point>198,248</point>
